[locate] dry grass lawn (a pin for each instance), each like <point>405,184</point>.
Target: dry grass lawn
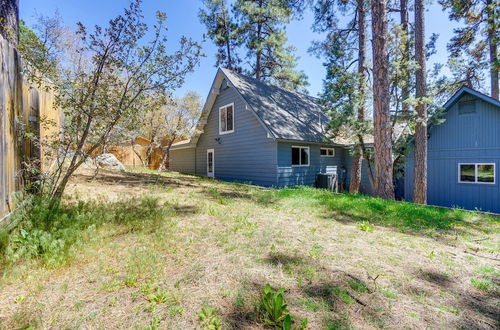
<point>344,261</point>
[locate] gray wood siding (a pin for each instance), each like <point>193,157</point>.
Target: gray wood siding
<point>289,175</point>
<point>183,160</point>
<point>247,154</point>
<point>462,138</point>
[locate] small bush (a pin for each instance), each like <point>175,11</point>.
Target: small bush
<point>272,306</point>
<point>47,232</point>
<point>160,296</point>
<point>209,319</point>
<point>366,226</point>
<point>274,311</point>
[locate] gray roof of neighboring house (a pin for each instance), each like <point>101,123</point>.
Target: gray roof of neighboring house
<point>288,115</point>
<point>462,90</point>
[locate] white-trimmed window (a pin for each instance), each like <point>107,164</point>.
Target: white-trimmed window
<point>226,119</point>
<point>476,173</point>
<point>327,152</point>
<point>300,156</point>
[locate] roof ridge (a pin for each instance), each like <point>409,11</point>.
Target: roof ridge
<point>270,84</point>
<point>472,91</point>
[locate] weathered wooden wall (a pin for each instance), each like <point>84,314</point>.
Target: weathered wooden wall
<point>21,106</point>
<point>128,155</point>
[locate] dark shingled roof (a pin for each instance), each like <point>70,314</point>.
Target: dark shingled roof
<point>288,115</point>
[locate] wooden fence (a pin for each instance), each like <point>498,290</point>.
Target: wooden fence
<point>21,106</point>
<point>129,156</point>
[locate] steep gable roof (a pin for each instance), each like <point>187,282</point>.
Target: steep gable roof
<point>285,114</point>
<point>288,115</point>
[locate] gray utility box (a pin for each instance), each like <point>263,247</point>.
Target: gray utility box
<point>327,181</point>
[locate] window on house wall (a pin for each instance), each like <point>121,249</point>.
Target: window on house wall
<point>300,156</point>
<point>476,173</point>
<point>226,119</point>
<point>466,107</point>
<point>327,152</point>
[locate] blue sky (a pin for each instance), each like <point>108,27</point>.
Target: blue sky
<point>183,20</point>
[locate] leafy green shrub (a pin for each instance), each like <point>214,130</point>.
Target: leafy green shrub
<point>366,226</point>
<point>209,318</point>
<point>47,232</point>
<point>273,309</point>
<point>154,324</point>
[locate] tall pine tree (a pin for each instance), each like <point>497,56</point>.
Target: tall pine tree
<point>345,85</point>
<point>262,26</point>
<point>222,29</point>
<point>481,31</point>
<point>384,185</point>
<point>420,170</point>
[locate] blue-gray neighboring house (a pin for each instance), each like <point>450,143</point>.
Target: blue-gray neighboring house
<point>463,155</point>
<point>251,131</point>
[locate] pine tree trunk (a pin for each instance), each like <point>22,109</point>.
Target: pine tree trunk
<point>405,90</point>
<point>384,185</point>
<point>420,170</point>
<point>493,45</point>
<point>229,60</point>
<point>228,37</point>
<point>258,64</point>
<point>357,161</point>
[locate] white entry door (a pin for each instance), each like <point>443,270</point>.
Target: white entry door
<point>210,163</point>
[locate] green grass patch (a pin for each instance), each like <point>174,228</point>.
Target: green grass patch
<point>370,211</point>
<point>51,235</point>
<point>483,284</point>
<point>389,294</point>
<point>358,285</point>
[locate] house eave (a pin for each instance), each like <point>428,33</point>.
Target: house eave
<point>475,93</point>
<point>324,143</point>
<point>183,147</point>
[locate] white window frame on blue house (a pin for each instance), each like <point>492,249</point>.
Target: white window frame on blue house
<point>328,150</point>
<point>300,158</point>
<point>221,132</point>
<point>475,173</point>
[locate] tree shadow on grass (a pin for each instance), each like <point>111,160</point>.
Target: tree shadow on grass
<point>242,313</point>
<point>345,295</point>
<point>139,179</point>
<point>477,311</point>
<point>403,216</point>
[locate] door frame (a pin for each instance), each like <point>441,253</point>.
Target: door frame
<point>211,174</point>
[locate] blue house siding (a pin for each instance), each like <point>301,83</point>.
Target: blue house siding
<point>289,175</point>
<point>182,160</point>
<point>247,154</point>
<point>366,186</point>
<point>409,168</point>
<point>462,138</point>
